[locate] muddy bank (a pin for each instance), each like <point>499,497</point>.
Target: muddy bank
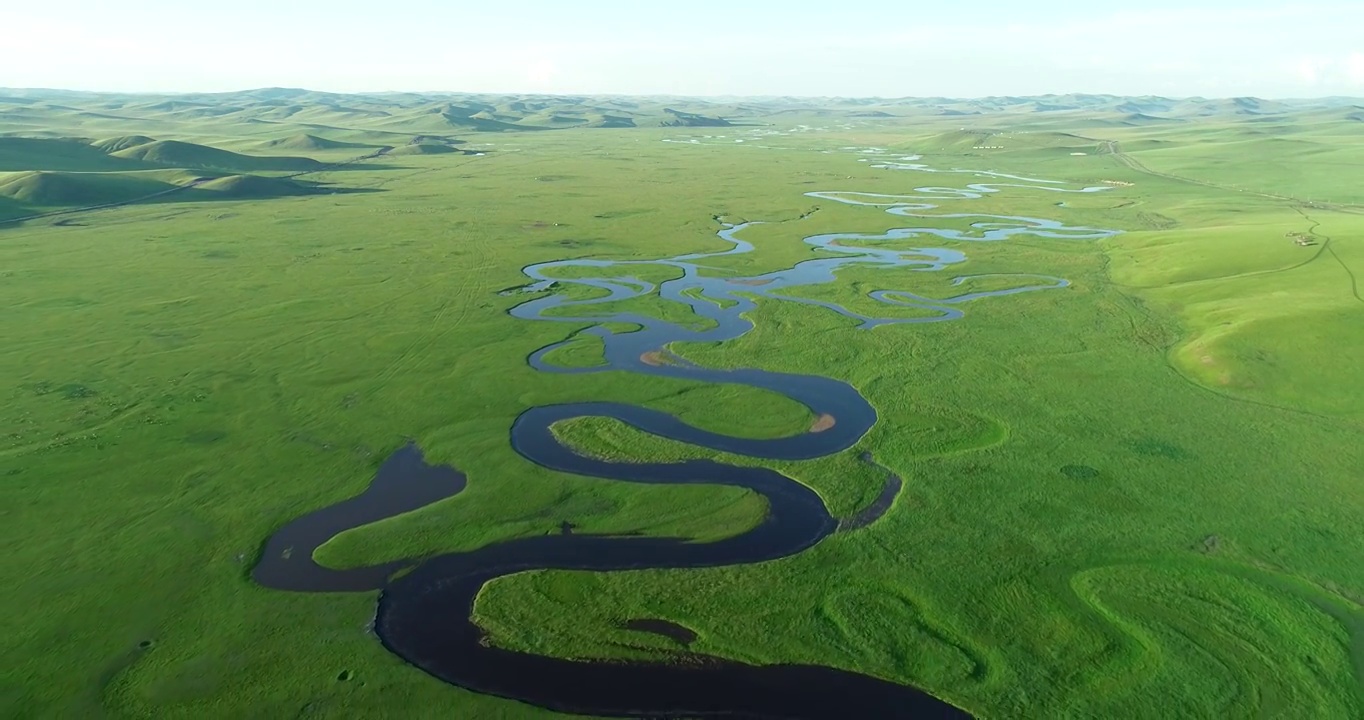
<point>822,423</point>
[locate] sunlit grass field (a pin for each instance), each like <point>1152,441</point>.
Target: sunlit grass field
<point>1139,496</point>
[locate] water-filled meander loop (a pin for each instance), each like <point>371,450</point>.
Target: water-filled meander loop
<point>424,613</point>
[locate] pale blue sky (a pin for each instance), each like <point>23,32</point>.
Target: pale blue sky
<point>883,48</point>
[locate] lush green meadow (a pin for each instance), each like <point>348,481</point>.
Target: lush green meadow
<point>1139,496</point>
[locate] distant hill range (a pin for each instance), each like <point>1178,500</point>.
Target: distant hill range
<point>687,119</point>
<point>135,152</point>
<point>40,175</point>
<point>309,121</point>
<point>306,120</point>
<point>63,151</point>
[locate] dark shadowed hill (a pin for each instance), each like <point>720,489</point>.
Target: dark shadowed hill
<point>62,189</point>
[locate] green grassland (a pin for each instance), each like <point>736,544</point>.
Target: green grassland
<point>1138,496</point>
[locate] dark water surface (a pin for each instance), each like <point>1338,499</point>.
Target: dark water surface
<point>424,614</point>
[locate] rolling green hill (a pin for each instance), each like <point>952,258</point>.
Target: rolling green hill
<point>253,187</point>
<point>679,118</point>
<point>174,153</point>
<point>292,115</point>
<point>609,121</point>
<point>68,155</point>
<point>49,189</point>
<point>425,148</point>
<point>113,145</point>
<point>42,174</point>
<point>480,120</point>
<point>306,142</point>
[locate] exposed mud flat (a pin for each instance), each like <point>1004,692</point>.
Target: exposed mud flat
<point>823,423</point>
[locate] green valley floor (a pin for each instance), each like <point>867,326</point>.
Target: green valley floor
<point>1141,495</point>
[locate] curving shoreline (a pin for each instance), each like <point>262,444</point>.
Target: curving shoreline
<point>425,615</point>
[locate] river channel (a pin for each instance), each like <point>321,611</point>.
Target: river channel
<point>425,604</point>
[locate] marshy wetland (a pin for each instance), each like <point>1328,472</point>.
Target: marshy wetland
<point>416,617</point>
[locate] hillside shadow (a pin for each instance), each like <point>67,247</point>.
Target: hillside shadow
<point>11,209</point>
<point>349,167</point>
<point>25,154</point>
<point>20,154</point>
<point>198,195</point>
<point>14,214</point>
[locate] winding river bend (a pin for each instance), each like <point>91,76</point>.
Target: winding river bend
<point>424,614</point>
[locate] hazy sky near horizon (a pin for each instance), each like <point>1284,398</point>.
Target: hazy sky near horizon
<point>887,48</point>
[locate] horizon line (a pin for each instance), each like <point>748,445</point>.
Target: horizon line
<point>683,96</point>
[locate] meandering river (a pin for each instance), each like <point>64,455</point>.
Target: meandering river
<point>424,614</point>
